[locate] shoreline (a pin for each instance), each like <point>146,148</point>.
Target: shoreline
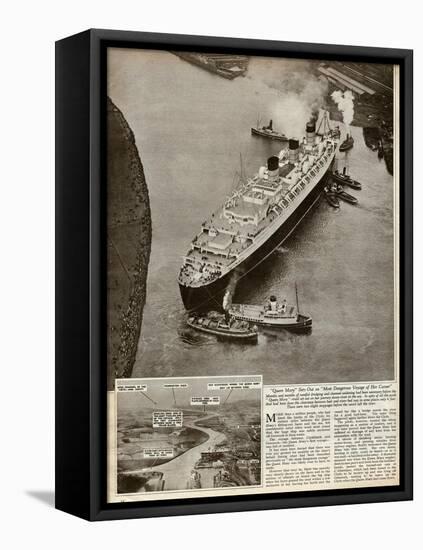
<point>128,245</point>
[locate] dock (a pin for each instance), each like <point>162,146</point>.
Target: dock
<point>224,65</point>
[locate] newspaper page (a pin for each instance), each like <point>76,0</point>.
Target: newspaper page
<point>253,275</point>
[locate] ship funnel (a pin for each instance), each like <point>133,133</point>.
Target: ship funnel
<point>311,132</point>
<point>311,126</point>
<point>273,302</point>
<point>273,167</point>
<point>294,152</point>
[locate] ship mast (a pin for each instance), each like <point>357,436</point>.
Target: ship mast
<point>325,123</point>
<point>296,297</point>
<point>241,167</point>
<point>238,178</point>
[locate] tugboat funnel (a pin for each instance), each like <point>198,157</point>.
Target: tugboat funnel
<point>273,303</point>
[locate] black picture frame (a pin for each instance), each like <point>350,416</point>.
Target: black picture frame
<point>81,285</point>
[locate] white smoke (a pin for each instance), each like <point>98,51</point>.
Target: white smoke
<point>295,95</point>
<point>230,289</point>
<point>227,300</point>
<point>345,102</point>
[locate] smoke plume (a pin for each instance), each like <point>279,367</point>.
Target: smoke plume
<point>296,94</point>
<point>227,300</point>
<point>345,102</point>
<point>230,289</point>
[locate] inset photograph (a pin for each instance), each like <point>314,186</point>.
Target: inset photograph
<point>179,434</point>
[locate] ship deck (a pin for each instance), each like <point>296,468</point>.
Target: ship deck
<point>259,312</point>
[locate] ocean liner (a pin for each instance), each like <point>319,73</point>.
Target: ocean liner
<point>257,217</point>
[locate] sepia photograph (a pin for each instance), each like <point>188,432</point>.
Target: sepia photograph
<point>251,217</point>
<point>187,434</point>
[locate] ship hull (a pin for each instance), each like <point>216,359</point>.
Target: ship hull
<point>292,327</point>
<point>226,334</point>
<point>344,181</point>
<point>206,297</point>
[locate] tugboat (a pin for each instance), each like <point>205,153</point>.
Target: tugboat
<point>331,197</point>
<point>347,143</point>
<point>345,196</point>
<point>273,314</point>
<point>345,179</point>
<point>268,132</point>
<point>223,325</point>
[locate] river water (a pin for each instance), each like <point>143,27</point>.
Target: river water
<point>190,128</point>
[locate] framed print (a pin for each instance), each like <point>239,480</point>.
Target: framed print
<point>234,274</point>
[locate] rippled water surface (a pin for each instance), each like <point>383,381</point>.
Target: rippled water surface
<point>190,128</point>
